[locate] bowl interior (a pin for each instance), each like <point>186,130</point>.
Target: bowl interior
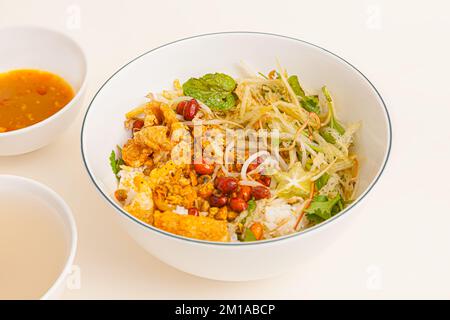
<point>39,48</point>
<point>355,97</point>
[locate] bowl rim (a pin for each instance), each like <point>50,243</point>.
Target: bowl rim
<point>78,93</point>
<point>64,210</point>
<point>253,243</point>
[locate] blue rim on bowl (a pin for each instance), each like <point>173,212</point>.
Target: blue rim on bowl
<point>283,238</point>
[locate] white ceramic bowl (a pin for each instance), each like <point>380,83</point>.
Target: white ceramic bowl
<point>23,187</point>
<point>39,48</point>
<point>355,97</point>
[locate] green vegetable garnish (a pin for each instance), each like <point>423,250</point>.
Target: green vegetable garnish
<point>215,90</point>
<point>250,209</point>
<point>251,206</point>
<point>310,103</point>
<point>327,136</point>
<point>115,163</point>
<point>333,122</point>
<point>249,236</point>
<point>322,181</point>
<point>322,208</point>
<point>336,125</point>
<point>295,85</point>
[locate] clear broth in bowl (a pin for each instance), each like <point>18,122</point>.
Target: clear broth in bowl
<point>32,247</point>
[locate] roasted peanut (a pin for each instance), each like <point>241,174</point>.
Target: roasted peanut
<point>203,168</point>
<point>226,184</point>
<point>121,195</point>
<point>137,125</point>
<point>265,180</point>
<point>238,204</point>
<point>217,200</point>
<point>191,109</point>
<point>245,193</point>
<point>260,192</point>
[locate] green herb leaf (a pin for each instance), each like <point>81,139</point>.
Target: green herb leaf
<point>251,206</point>
<point>336,125</point>
<point>338,207</point>
<point>115,163</point>
<point>313,219</point>
<point>322,181</point>
<point>333,122</point>
<point>215,90</point>
<point>327,136</point>
<point>311,103</point>
<point>250,209</point>
<point>295,85</point>
<point>249,236</point>
<point>322,207</point>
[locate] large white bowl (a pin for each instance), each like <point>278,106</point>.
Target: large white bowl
<point>356,99</point>
<point>39,48</point>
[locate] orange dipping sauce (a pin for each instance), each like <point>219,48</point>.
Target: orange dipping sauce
<point>29,96</point>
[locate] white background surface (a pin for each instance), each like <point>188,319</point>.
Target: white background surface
<point>398,247</point>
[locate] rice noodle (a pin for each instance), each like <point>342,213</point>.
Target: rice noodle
<point>210,122</point>
<point>251,183</point>
<point>228,173</point>
<point>314,178</point>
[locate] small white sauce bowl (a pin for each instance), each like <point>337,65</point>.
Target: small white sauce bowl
<point>29,47</point>
<point>62,212</point>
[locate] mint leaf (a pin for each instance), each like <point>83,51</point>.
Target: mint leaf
<point>215,90</point>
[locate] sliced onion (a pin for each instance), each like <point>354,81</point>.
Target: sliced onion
<point>216,170</point>
<point>250,159</point>
<point>251,183</point>
<point>205,107</point>
<point>228,173</point>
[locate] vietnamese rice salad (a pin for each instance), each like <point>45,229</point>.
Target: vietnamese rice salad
<point>224,159</point>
